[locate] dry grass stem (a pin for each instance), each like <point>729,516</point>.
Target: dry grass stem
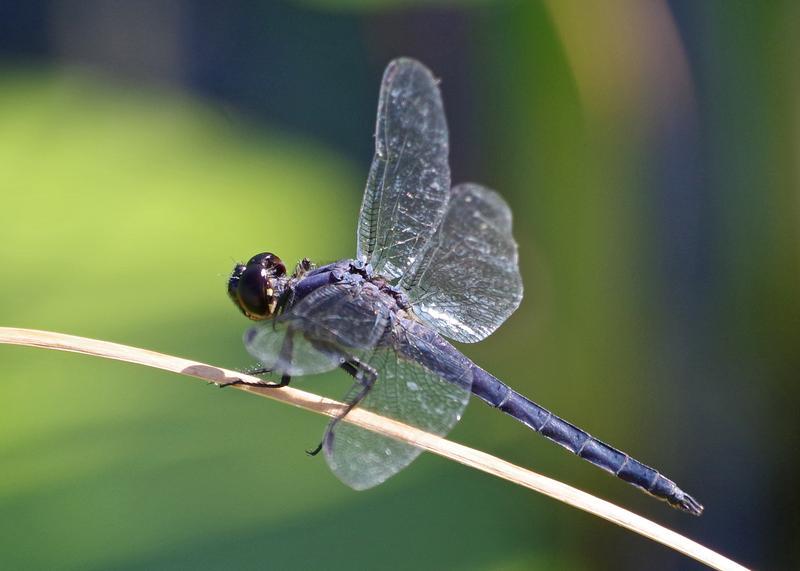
<point>364,419</point>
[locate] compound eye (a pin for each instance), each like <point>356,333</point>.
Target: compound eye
<point>270,262</point>
<point>252,291</point>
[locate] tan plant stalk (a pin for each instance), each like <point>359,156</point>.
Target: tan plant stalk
<point>370,421</point>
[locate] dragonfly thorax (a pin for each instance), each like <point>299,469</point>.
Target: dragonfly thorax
<point>256,287</point>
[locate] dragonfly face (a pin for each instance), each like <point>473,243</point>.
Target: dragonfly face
<point>256,286</point>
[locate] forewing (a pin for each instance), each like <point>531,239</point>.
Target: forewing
<point>467,283</point>
<point>320,331</point>
<point>285,350</point>
<point>409,180</point>
<point>410,388</point>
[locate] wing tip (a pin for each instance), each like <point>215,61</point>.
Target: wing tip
<point>406,63</point>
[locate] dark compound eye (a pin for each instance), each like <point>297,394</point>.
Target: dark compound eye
<point>268,261</point>
<point>255,289</point>
<point>252,287</point>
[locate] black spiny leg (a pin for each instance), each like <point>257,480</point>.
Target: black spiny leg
<point>286,357</point>
<point>285,380</point>
<point>364,376</point>
<point>257,371</point>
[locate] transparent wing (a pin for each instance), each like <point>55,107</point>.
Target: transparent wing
<point>418,384</point>
<point>286,351</point>
<point>320,331</point>
<point>409,180</point>
<point>467,283</point>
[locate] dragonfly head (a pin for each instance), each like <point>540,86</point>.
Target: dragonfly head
<point>256,286</point>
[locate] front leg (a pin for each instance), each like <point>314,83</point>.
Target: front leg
<point>303,267</point>
<point>285,356</point>
<point>258,371</point>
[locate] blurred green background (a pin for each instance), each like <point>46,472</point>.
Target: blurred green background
<point>650,154</point>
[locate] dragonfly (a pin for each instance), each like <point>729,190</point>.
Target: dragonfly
<point>433,262</point>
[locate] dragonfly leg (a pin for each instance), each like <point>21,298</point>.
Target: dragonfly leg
<point>364,376</point>
<point>257,371</point>
<point>285,380</point>
<point>315,451</point>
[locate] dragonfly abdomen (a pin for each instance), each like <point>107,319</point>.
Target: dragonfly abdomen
<point>501,396</point>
